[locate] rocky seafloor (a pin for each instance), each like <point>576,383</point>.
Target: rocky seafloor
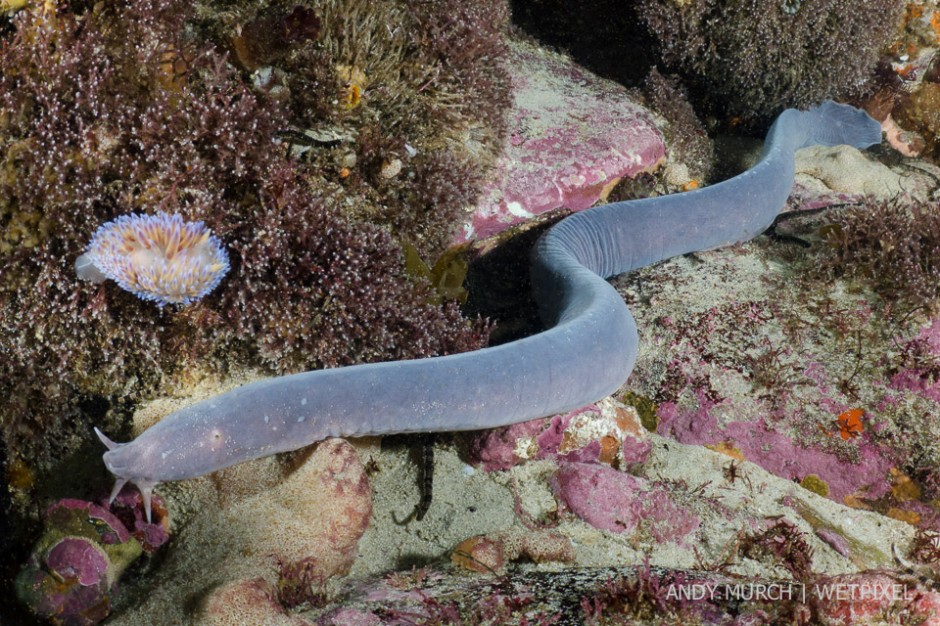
<point>770,459</point>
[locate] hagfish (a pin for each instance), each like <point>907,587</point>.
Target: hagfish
<point>586,353</point>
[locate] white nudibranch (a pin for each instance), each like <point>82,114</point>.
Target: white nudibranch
<point>157,257</point>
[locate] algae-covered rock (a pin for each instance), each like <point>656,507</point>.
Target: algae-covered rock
<point>920,112</point>
<point>71,574</point>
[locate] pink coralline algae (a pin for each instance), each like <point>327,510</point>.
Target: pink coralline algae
<point>71,573</point>
<point>779,454</point>
<point>606,432</point>
<point>835,541</point>
<point>869,598</point>
<point>350,617</point>
<point>572,137</point>
<point>914,381</point>
<point>157,257</point>
<point>611,500</point>
<point>495,450</point>
<point>921,380</point>
<point>128,507</point>
<point>79,559</point>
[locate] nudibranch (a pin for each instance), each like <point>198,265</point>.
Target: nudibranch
<point>158,257</point>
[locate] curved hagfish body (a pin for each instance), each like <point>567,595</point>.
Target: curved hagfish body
<point>587,352</point>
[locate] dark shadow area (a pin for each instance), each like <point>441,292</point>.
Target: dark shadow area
<point>498,280</point>
<point>15,545</point>
<point>605,36</point>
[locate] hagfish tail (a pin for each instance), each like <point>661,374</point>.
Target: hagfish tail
<point>586,353</point>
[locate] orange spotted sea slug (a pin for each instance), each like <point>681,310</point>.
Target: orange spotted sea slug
<point>587,352</point>
<point>157,257</point>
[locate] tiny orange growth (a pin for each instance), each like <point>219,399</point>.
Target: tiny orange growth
<point>850,423</point>
<point>728,449</point>
<point>344,173</point>
<point>905,71</point>
<point>913,12</point>
<point>689,186</point>
<point>911,517</point>
<point>20,476</point>
<point>935,24</point>
<point>350,96</point>
<point>854,501</point>
<point>902,487</point>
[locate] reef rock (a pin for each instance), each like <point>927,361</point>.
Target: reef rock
<point>635,594</point>
<point>72,573</point>
<point>251,530</point>
<point>607,431</point>
<point>618,502</point>
<point>573,137</point>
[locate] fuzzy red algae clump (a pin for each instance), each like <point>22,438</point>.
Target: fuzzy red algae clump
<point>792,54</point>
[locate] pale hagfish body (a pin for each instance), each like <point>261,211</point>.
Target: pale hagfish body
<point>586,353</point>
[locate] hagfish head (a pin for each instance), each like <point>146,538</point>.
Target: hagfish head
<point>834,124</point>
<point>121,459</point>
